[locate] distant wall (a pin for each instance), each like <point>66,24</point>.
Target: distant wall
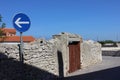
<point>118,44</point>
<point>111,51</point>
<point>90,53</point>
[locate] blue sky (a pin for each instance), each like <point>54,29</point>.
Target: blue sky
<point>92,19</point>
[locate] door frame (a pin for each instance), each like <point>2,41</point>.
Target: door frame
<point>74,56</point>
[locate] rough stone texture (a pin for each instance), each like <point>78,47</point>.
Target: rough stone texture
<point>90,53</point>
<point>40,61</point>
<point>42,55</point>
<point>90,50</point>
<point>11,51</point>
<point>45,60</point>
<point>62,41</point>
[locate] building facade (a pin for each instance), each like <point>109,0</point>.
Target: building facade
<point>9,36</point>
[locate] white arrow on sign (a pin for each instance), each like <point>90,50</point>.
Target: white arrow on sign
<point>18,22</point>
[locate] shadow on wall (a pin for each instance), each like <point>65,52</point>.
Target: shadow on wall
<point>11,69</point>
<point>60,64</point>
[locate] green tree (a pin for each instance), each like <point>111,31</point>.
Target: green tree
<point>2,25</point>
<point>0,18</point>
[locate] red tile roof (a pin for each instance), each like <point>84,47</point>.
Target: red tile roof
<point>10,30</point>
<point>17,39</point>
<point>14,38</point>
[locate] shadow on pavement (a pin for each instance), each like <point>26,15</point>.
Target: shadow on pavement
<point>108,74</point>
<point>10,69</point>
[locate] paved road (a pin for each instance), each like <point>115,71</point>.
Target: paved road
<point>108,69</point>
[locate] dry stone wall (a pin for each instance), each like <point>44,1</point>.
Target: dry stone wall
<point>11,51</point>
<point>45,60</point>
<point>90,53</point>
<point>40,54</point>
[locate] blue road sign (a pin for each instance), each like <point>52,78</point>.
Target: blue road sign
<point>21,22</point>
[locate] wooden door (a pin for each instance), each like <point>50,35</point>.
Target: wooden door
<point>74,56</point>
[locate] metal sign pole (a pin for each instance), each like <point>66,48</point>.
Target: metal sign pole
<point>21,57</point>
<point>21,48</point>
<point>21,23</point>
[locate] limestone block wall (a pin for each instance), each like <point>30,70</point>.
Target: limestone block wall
<point>62,42</point>
<point>42,55</point>
<point>90,53</point>
<point>11,51</point>
<point>40,61</point>
<point>61,45</point>
<point>46,59</point>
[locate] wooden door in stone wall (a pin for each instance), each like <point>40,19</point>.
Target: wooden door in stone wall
<point>74,56</point>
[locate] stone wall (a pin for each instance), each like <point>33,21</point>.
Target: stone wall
<point>42,55</point>
<point>90,53</point>
<point>111,51</point>
<point>62,42</point>
<point>118,44</point>
<point>46,59</point>
<point>40,61</point>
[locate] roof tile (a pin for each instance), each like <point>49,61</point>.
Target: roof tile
<point>17,39</point>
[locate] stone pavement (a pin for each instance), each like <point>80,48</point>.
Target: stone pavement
<point>108,69</point>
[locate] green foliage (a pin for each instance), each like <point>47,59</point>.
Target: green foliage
<point>109,41</point>
<point>106,41</point>
<point>1,33</point>
<point>101,42</point>
<point>2,25</point>
<point>0,18</point>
